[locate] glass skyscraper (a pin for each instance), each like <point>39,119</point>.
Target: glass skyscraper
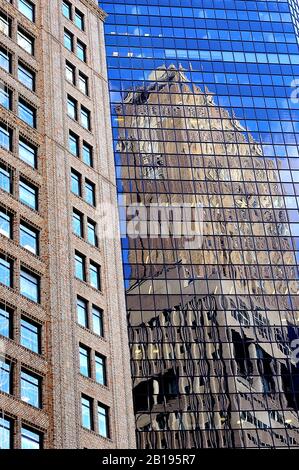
<point>204,101</point>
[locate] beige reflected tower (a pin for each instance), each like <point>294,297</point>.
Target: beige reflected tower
<point>210,328</point>
<point>64,365</point>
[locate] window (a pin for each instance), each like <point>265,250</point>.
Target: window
<point>72,107</point>
<point>5,179</point>
<point>82,312</point>
<point>27,113</point>
<point>74,144</point>
<point>5,321</point>
<point>5,433</point>
<point>103,420</point>
<point>77,223</point>
<point>30,285</point>
<point>5,60</point>
<point>28,194</point>
<point>30,388</point>
<point>87,415</point>
<point>79,19</point>
<point>5,137</point>
<point>30,439</point>
<point>5,24</point>
<point>84,356</point>
<point>5,223</point>
<point>25,41</point>
<point>68,40</point>
<point>100,369</point>
<point>91,232</point>
<point>30,335</point>
<point>85,118</point>
<point>27,8</point>
<point>5,375</point>
<point>87,154</point>
<point>5,96</point>
<point>76,183</point>
<point>90,193</point>
<point>29,238</point>
<point>83,83</point>
<point>70,73</point>
<point>97,321</point>
<point>6,266</point>
<point>80,272</point>
<point>81,51</point>
<point>94,275</point>
<point>26,76</point>
<point>27,153</point>
<point>67,10</point>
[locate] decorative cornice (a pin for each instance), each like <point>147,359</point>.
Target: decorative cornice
<point>95,8</point>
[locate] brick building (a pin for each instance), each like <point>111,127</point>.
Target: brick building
<point>65,377</point>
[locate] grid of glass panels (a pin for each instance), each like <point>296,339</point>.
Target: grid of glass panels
<point>204,101</point>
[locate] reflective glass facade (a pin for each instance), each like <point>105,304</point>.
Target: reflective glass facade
<point>204,100</point>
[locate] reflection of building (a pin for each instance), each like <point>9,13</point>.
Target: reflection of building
<point>208,327</point>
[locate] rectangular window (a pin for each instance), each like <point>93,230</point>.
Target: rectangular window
<point>81,51</point>
<point>28,194</point>
<point>86,410</point>
<point>68,40</point>
<point>90,196</point>
<point>27,8</point>
<point>97,321</point>
<point>82,312</point>
<point>27,113</point>
<point>84,356</point>
<point>67,10</point>
<point>100,369</point>
<point>80,271</point>
<point>103,420</point>
<point>78,223</point>
<point>87,154</point>
<point>74,144</point>
<point>5,178</point>
<point>30,335</point>
<point>5,433</point>
<point>70,73</point>
<point>30,285</point>
<point>72,106</point>
<point>6,267</point>
<point>92,233</point>
<point>25,41</point>
<point>5,375</point>
<point>6,315</point>
<point>31,388</point>
<point>76,183</point>
<point>85,118</point>
<point>29,238</point>
<point>79,19</point>
<point>5,97</point>
<point>83,83</point>
<point>5,223</point>
<point>27,152</point>
<point>26,76</point>
<point>5,24</point>
<point>5,60</point>
<point>94,275</point>
<point>30,439</point>
<point>5,137</point>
